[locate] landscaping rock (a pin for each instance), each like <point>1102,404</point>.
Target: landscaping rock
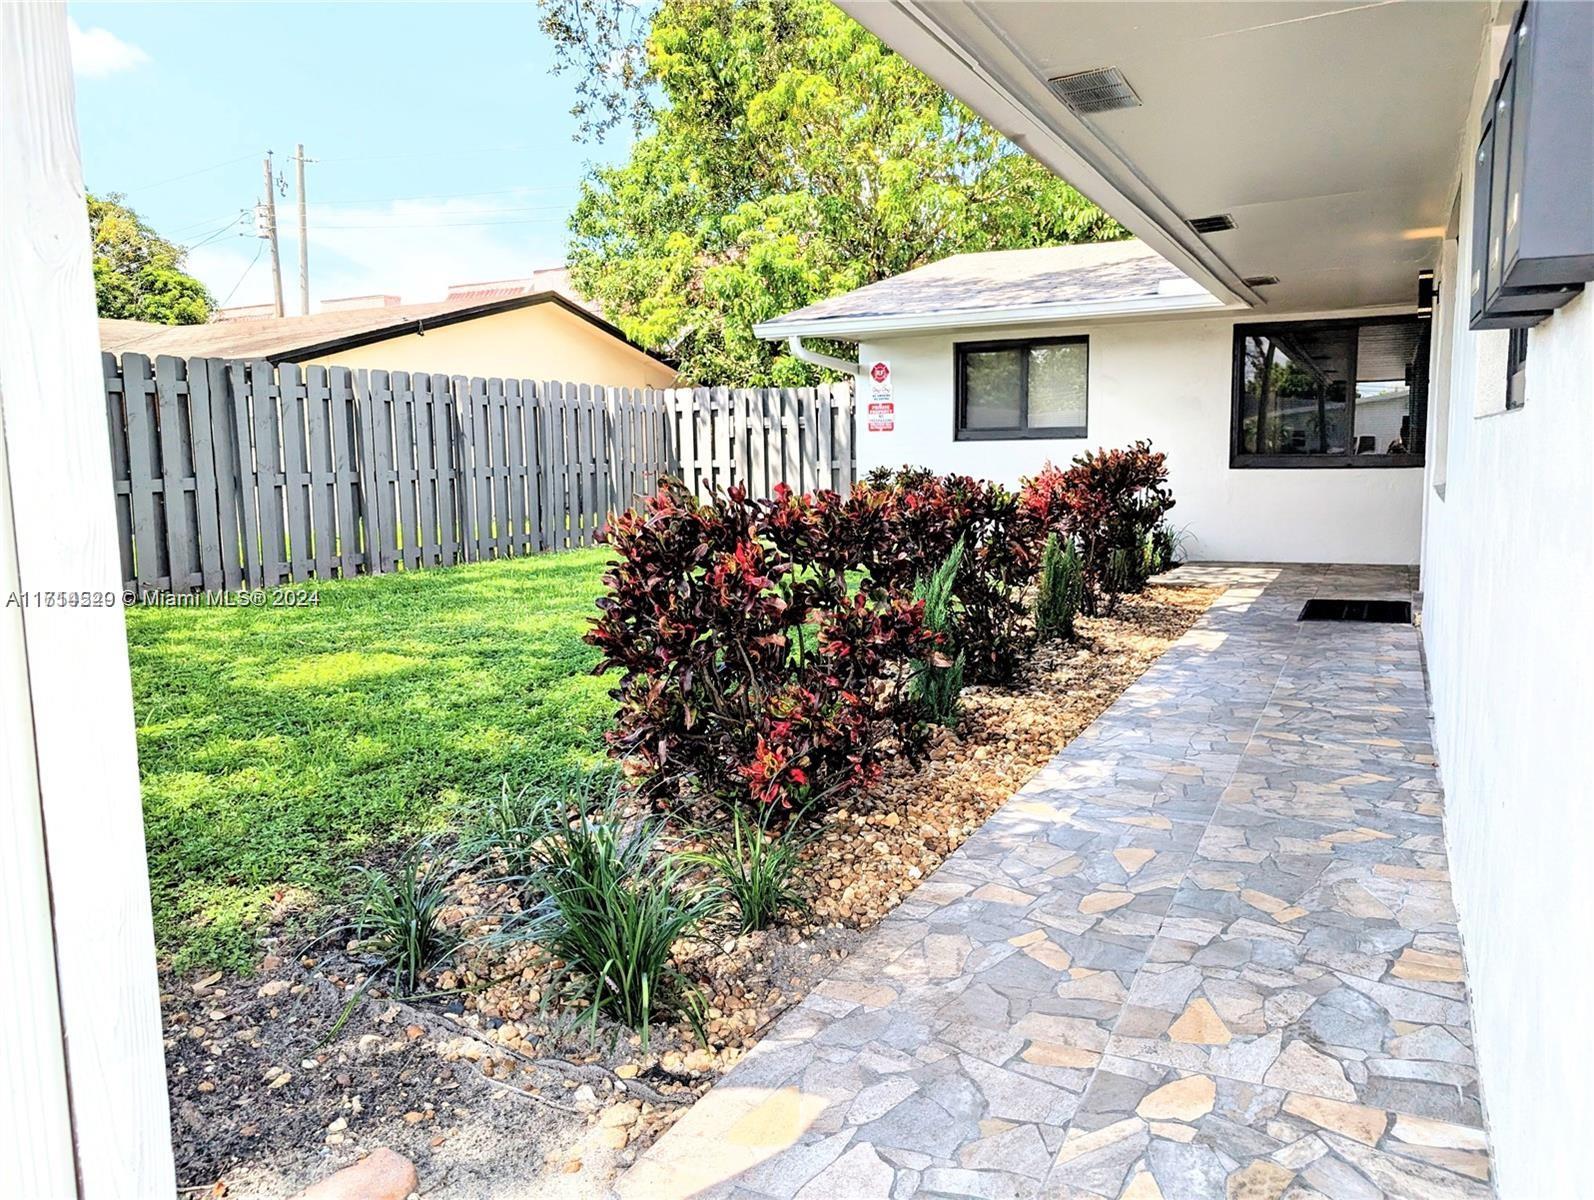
<point>380,1175</point>
<point>269,1097</point>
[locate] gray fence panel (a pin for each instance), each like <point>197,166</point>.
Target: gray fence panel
<point>228,474</point>
<point>515,463</point>
<point>424,455</point>
<point>343,421</point>
<point>177,482</point>
<point>497,472</point>
<point>295,471</point>
<point>406,471</point>
<point>445,469</point>
<point>121,479</point>
<point>143,458</point>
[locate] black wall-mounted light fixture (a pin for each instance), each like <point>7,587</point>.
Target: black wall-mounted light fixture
<point>1427,293</point>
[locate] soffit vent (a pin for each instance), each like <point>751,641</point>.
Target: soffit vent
<point>1261,280</point>
<point>1213,224</point>
<point>1102,90</point>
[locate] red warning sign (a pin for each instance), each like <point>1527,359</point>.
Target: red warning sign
<point>882,416</point>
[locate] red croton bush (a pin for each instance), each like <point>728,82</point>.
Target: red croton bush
<point>897,526</point>
<point>747,675</point>
<point>766,649</point>
<point>1110,502</point>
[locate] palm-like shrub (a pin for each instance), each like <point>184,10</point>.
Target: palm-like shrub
<point>754,868</point>
<point>1108,501</point>
<point>504,831</point>
<point>612,910</point>
<point>401,914</point>
<point>1164,547</point>
<point>938,680</point>
<point>923,516</point>
<point>1062,588</point>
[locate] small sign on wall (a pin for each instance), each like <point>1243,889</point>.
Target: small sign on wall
<point>882,407</point>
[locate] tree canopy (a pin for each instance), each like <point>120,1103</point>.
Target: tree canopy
<point>785,154</point>
<point>139,274</point>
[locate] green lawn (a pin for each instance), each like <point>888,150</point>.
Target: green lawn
<point>278,746</point>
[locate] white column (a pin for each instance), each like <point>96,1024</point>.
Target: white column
<point>83,1087</point>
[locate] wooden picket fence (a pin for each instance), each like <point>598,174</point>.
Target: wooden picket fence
<point>237,474</point>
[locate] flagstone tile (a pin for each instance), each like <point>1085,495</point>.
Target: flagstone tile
<point>1193,1135</point>
<point>1208,951</point>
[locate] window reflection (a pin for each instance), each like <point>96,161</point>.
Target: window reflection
<point>1332,389</point>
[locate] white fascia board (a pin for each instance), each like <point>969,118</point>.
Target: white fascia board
<point>992,77</point>
<point>847,328</point>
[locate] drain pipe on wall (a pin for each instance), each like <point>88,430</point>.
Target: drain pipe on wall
<point>802,352</point>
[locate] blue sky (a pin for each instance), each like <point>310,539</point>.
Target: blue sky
<point>442,136</point>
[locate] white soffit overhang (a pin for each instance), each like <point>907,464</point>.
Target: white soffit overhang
<point>1329,131</point>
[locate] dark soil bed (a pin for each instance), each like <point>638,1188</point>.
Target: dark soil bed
<point>492,1096</point>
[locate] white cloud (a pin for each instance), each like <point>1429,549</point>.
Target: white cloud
<point>411,248</point>
<point>97,52</point>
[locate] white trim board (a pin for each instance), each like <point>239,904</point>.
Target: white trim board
<point>66,704</point>
<point>982,318</point>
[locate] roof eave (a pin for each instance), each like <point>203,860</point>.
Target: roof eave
<point>420,325</point>
<point>853,328</point>
<point>993,79</point>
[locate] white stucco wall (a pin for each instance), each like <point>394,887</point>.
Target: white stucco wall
<point>1508,625</point>
<point>1167,380</point>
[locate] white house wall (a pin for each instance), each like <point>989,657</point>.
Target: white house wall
<point>1508,624</point>
<point>1168,380</point>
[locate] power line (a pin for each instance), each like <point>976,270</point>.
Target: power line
<point>173,231</point>
<point>447,224</point>
<point>204,221</point>
<point>259,250</point>
<point>230,225</point>
<point>487,212</point>
<point>144,187</point>
<point>429,154</point>
<point>558,187</point>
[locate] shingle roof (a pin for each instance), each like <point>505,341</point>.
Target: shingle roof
<point>1005,280</point>
<point>288,338</point>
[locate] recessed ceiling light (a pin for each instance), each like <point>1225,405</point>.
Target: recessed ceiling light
<point>1103,89</point>
<point>1213,224</point>
<point>1261,280</point>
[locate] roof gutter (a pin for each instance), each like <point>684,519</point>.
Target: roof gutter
<point>1029,314</point>
<point>802,352</point>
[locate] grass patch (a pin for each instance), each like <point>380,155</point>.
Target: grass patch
<point>279,747</point>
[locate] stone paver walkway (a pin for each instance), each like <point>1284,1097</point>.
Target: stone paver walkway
<point>1208,952</point>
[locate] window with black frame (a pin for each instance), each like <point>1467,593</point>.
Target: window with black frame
<point>1350,393</point>
<point>1022,389</point>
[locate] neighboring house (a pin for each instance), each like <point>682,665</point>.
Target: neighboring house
<point>538,335</point>
<point>1303,163</point>
<point>999,362</point>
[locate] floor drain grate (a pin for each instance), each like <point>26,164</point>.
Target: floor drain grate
<point>1388,612</point>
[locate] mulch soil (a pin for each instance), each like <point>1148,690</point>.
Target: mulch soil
<point>282,1077</point>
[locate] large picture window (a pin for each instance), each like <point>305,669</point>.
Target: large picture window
<point>1032,389</point>
<point>1331,393</point>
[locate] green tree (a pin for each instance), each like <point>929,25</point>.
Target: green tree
<point>788,155</point>
<point>137,273</point>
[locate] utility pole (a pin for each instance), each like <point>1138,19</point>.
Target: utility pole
<point>271,234</point>
<point>304,243</point>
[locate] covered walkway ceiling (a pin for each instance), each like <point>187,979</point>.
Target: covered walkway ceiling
<point>1330,132</point>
